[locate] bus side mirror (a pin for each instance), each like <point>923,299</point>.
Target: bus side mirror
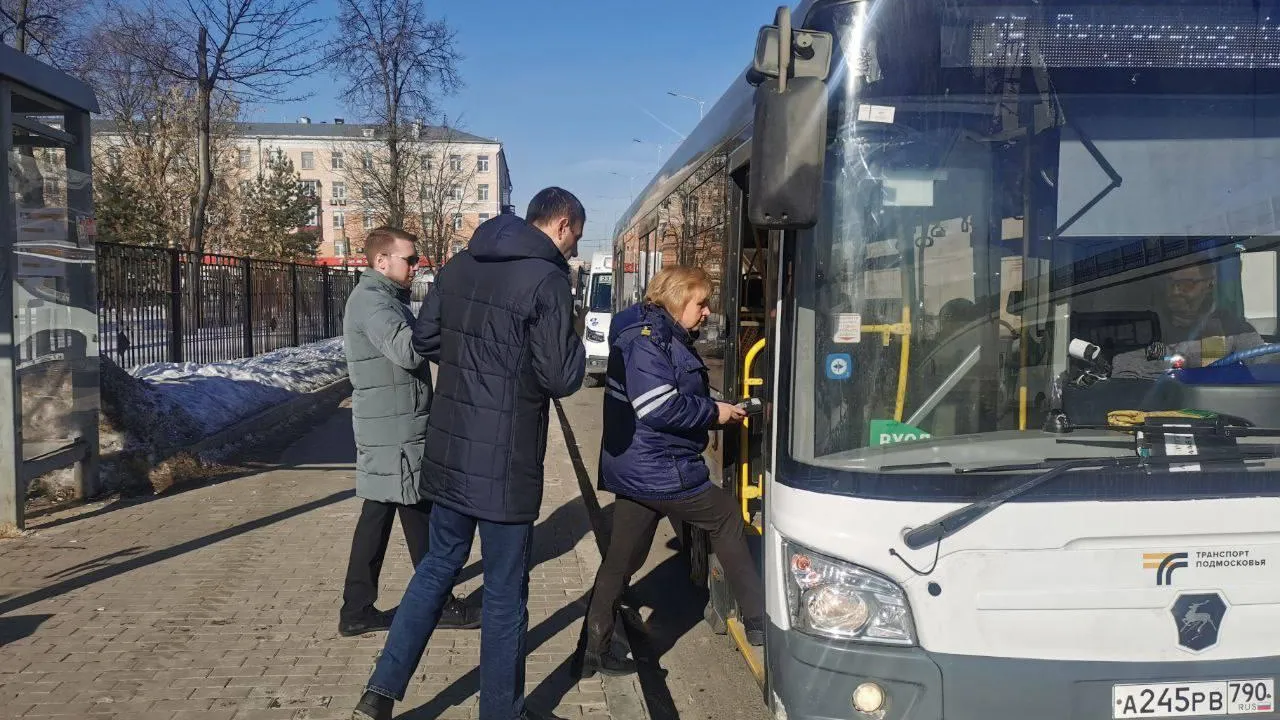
<point>789,137</point>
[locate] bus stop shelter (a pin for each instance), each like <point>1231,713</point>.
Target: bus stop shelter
<point>48,297</point>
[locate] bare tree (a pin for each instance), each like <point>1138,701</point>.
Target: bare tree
<point>52,30</point>
<point>150,167</point>
<point>444,185</point>
<point>394,60</point>
<point>235,50</point>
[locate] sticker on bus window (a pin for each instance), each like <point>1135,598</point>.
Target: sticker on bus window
<point>892,432</point>
<point>839,366</point>
<point>848,328</point>
<point>876,113</point>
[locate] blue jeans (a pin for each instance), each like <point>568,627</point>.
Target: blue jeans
<point>504,620</point>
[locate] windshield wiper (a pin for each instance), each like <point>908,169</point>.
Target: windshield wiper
<point>957,520</point>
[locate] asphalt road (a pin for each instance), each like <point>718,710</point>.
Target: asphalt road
<point>686,671</point>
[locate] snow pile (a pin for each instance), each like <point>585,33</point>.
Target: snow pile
<point>217,395</point>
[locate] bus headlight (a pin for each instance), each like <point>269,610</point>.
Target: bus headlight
<point>832,598</point>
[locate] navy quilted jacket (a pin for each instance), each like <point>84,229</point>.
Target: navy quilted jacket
<point>657,409</point>
<point>499,323</point>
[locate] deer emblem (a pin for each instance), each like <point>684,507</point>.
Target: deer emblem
<point>1196,621</point>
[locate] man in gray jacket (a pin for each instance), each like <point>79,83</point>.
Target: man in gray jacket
<point>390,401</point>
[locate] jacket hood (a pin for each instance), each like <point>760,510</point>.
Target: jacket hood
<point>507,237</point>
<point>643,313</point>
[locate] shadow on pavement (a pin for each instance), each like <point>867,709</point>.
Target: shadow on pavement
<point>544,698</point>
<point>17,627</point>
<point>102,573</point>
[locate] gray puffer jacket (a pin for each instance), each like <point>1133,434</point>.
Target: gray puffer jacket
<point>391,391</point>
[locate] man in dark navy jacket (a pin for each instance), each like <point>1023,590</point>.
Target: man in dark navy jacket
<point>499,323</point>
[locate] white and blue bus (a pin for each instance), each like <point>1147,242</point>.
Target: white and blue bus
<point>1004,273</point>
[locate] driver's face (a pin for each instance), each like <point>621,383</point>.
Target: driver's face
<point>1188,290</point>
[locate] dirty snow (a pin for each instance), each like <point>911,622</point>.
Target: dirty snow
<point>219,394</point>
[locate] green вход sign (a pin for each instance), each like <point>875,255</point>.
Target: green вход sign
<point>891,432</point>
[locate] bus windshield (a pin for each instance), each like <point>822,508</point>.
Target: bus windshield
<point>601,298</point>
<point>1021,223</point>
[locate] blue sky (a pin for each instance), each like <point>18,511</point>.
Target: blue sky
<point>567,85</point>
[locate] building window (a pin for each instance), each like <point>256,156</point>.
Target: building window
<point>482,192</point>
<point>339,248</point>
<point>366,160</point>
<point>246,158</point>
<point>313,217</point>
<point>431,162</point>
<point>457,221</point>
<point>308,160</point>
<point>339,220</point>
<point>310,188</point>
<point>339,190</point>
<point>370,222</point>
<point>482,164</point>
<point>484,216</point>
<point>455,192</point>
<point>455,163</point>
<point>336,161</point>
<point>367,190</point>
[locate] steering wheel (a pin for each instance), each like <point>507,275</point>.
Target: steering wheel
<point>1241,356</point>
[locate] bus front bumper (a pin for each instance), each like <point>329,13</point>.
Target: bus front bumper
<point>812,678</point>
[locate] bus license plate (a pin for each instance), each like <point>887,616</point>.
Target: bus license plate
<point>1229,697</point>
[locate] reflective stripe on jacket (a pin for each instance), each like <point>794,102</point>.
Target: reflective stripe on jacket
<point>657,409</point>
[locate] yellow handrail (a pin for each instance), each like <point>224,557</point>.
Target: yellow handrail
<point>747,491</point>
<point>904,329</point>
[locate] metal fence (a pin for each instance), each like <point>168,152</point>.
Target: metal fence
<point>169,305</point>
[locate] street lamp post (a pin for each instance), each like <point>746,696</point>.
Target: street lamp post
<point>658,145</point>
<point>689,97</point>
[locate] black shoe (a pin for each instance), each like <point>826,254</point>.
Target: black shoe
<point>754,628</point>
<point>370,620</point>
<point>459,615</point>
<point>373,706</point>
<point>586,664</point>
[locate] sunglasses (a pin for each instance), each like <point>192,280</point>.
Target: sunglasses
<point>412,259</point>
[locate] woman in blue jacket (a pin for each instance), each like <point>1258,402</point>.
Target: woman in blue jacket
<point>657,411</point>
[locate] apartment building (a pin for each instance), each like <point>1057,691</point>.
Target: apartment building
<point>338,160</point>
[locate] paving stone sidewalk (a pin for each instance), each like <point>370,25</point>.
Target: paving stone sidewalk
<point>222,602</point>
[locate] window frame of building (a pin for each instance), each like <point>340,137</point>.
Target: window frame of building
<point>339,219</point>
<point>336,161</point>
<point>455,163</point>
<point>245,159</point>
<point>308,160</point>
<point>370,222</point>
<point>338,190</point>
<point>483,217</point>
<point>457,221</point>
<point>482,192</point>
<point>482,163</point>
<point>366,160</point>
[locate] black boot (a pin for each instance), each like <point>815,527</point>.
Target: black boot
<point>373,706</point>
<point>459,615</point>
<point>371,620</point>
<point>588,662</point>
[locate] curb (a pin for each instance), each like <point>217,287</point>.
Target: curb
<point>623,695</point>
<point>301,408</point>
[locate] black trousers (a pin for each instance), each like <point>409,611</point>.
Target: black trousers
<point>369,547</point>
<point>634,525</point>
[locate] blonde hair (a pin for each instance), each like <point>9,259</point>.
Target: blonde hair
<point>672,287</point>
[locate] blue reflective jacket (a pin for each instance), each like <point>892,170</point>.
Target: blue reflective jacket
<point>657,409</point>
